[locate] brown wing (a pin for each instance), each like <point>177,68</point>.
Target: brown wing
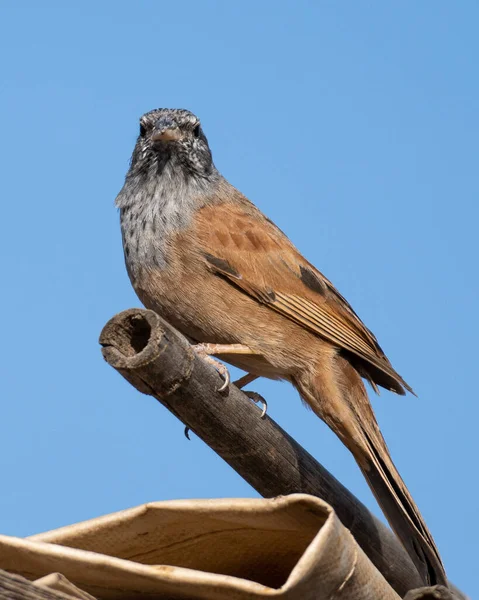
<point>244,247</point>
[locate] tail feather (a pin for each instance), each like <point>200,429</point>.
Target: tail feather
<point>401,512</point>
<point>390,490</point>
<point>337,394</point>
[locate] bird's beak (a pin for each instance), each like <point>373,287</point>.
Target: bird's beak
<point>168,134</point>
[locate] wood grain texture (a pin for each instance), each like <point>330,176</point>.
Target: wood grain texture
<point>14,587</point>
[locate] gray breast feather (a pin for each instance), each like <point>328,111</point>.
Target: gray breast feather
<point>151,209</point>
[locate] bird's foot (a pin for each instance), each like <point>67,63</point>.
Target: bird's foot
<point>258,398</point>
<point>245,380</point>
<point>205,351</point>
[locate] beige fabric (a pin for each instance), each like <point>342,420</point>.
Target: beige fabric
<point>290,547</point>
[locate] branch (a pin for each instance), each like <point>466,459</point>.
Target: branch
<point>158,360</point>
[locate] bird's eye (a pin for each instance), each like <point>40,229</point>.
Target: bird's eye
<point>197,131</point>
<point>142,130</point>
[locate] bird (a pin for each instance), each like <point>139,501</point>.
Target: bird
<point>205,258</point>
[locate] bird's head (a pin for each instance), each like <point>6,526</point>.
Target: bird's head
<point>172,137</point>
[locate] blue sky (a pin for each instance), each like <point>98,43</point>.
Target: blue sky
<point>353,125</point>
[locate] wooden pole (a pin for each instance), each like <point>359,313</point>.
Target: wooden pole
<point>159,361</point>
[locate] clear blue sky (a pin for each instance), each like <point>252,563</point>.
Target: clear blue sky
<point>353,125</point>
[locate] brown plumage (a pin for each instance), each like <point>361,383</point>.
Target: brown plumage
<point>204,257</point>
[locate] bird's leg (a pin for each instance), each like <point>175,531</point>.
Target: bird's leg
<point>207,351</point>
<point>242,381</point>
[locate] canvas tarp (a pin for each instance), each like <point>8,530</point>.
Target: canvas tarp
<point>291,547</point>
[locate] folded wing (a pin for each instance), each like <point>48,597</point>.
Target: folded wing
<point>241,245</point>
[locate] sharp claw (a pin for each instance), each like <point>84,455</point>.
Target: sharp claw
<point>226,375</point>
<point>258,399</point>
<point>201,350</point>
<point>265,408</point>
<point>187,433</point>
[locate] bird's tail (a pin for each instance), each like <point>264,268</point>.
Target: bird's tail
<point>400,509</point>
<point>352,418</point>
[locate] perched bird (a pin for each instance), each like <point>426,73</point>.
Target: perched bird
<point>203,256</point>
